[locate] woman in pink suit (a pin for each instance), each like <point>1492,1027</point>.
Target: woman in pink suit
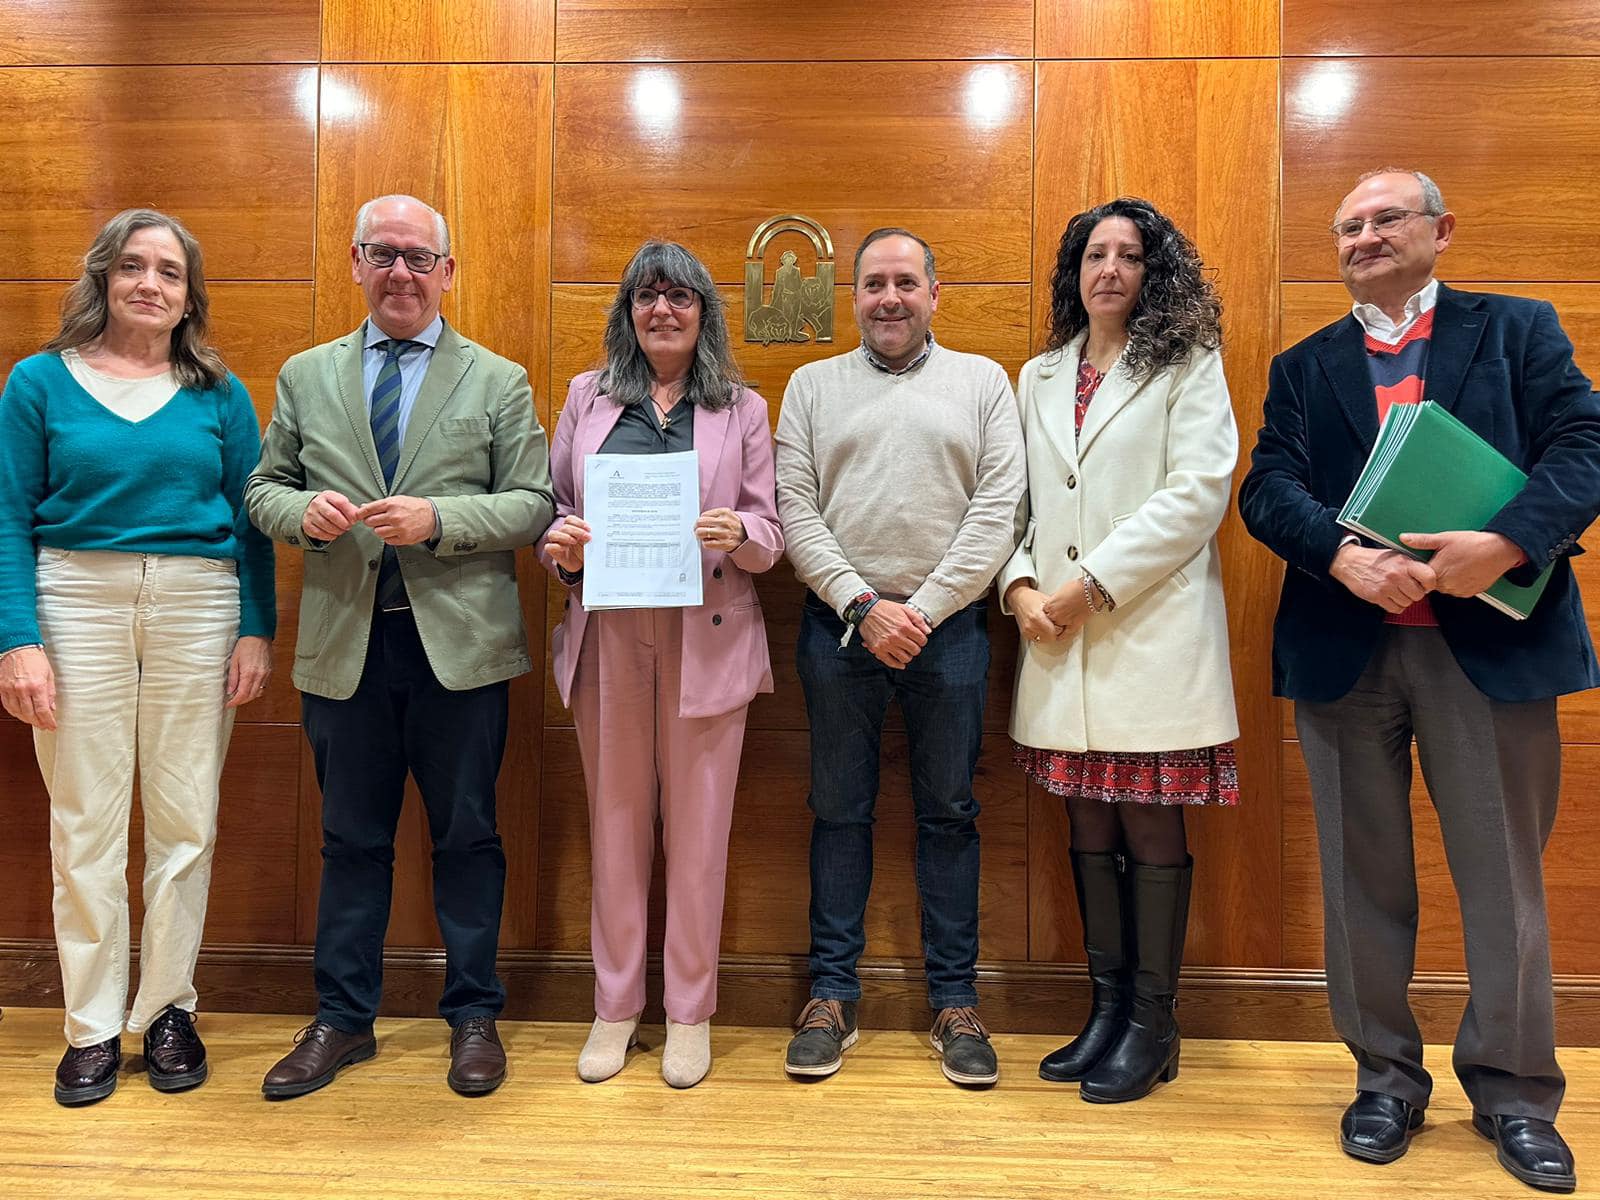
<point>659,695</point>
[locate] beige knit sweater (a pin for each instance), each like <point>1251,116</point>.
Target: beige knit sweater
<point>908,484</point>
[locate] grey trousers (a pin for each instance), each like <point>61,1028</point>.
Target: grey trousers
<point>1492,771</point>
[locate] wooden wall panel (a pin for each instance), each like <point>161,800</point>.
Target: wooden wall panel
<point>698,154</point>
<point>1571,871</point>
<point>474,143</point>
<point>67,32</point>
<point>1307,307</point>
<point>1165,131</point>
<point>226,149</point>
<point>438,30</point>
<point>1156,28</point>
<point>1462,27</point>
<point>738,30</point>
<point>1513,143</point>
<point>254,873</point>
<point>768,877</point>
<point>987,319</point>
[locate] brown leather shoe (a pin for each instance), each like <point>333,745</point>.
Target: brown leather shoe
<point>88,1073</point>
<point>319,1051</point>
<point>477,1059</point>
<point>174,1055</point>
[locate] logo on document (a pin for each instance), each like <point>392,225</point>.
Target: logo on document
<point>796,300</point>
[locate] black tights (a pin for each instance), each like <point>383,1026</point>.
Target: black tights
<point>1149,834</point>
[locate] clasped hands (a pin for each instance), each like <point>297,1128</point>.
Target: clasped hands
<point>1048,617</point>
<point>1464,563</point>
<point>397,520</point>
<point>717,528</point>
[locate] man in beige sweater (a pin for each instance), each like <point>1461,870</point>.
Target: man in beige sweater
<point>900,474</point>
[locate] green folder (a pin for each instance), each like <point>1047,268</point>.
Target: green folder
<point>1428,473</point>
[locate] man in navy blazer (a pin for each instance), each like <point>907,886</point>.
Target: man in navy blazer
<point>1377,648</point>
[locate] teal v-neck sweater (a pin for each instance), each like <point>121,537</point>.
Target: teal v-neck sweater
<point>76,476</point>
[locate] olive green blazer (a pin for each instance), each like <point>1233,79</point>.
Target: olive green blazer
<point>473,446</point>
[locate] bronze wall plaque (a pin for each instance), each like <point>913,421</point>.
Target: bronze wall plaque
<point>797,300</point>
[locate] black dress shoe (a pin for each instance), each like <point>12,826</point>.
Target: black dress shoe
<point>1377,1127</point>
<point>174,1055</point>
<point>88,1073</point>
<point>1531,1150</point>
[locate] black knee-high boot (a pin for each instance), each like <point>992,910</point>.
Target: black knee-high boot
<point>1147,1051</point>
<point>1099,884</point>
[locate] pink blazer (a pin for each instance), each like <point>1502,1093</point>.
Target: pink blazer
<point>725,658</point>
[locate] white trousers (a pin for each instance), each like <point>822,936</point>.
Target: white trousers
<point>140,645</point>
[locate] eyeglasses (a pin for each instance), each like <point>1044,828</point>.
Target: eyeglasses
<point>418,261</point>
<point>677,297</point>
<point>1383,224</point>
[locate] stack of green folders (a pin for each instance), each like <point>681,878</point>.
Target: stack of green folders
<point>1428,473</point>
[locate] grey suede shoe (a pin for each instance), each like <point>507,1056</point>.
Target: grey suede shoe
<point>826,1029</point>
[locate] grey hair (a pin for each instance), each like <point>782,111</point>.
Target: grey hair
<point>888,231</point>
<point>713,381</point>
<point>84,310</point>
<point>1432,197</point>
<point>441,231</point>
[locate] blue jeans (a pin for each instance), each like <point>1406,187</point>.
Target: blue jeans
<point>941,694</point>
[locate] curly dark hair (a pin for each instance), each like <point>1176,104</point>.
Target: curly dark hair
<point>1177,309</point>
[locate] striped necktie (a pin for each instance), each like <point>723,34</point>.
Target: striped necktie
<point>385,417</point>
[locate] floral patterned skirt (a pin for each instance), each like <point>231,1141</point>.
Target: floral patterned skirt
<point>1209,775</point>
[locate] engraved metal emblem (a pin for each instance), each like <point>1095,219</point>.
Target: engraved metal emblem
<point>797,300</point>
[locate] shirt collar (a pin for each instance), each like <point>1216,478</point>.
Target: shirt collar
<point>429,337</point>
<point>1377,323</point>
<point>879,365</point>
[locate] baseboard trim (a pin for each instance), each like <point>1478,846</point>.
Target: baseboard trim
<point>1270,1004</point>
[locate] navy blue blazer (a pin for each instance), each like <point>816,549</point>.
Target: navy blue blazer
<point>1502,365</point>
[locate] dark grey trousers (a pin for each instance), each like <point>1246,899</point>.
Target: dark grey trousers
<point>1492,771</point>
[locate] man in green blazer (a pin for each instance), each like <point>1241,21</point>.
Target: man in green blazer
<point>408,465</point>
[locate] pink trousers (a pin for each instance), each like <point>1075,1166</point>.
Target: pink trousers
<point>640,758</point>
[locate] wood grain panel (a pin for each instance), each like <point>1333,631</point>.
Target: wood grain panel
<point>768,886</point>
<point>1307,307</point>
<point>1156,28</point>
<point>737,30</point>
<point>474,143</point>
<point>1463,27</point>
<point>253,877</point>
<point>226,149</point>
<point>987,319</point>
<point>1167,131</point>
<point>1571,871</point>
<point>1513,143</point>
<point>699,154</point>
<point>459,31</point>
<point>65,32</point>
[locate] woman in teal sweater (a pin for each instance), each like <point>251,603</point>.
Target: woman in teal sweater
<point>136,614</point>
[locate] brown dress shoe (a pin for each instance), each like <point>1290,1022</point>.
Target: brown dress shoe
<point>174,1055</point>
<point>88,1073</point>
<point>319,1051</point>
<point>477,1059</point>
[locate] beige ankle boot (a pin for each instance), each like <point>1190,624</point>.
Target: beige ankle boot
<point>687,1057</point>
<point>607,1048</point>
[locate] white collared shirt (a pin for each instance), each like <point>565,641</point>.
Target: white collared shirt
<point>1381,329</point>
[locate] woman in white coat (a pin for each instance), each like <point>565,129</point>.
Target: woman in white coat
<point>1124,700</point>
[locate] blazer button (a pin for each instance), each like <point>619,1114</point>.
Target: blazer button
<point>372,564</point>
<point>716,572</point>
<point>716,619</point>
<point>292,540</point>
<point>1072,482</point>
<point>1072,553</point>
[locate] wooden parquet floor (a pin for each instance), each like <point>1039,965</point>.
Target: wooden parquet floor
<point>1243,1120</point>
